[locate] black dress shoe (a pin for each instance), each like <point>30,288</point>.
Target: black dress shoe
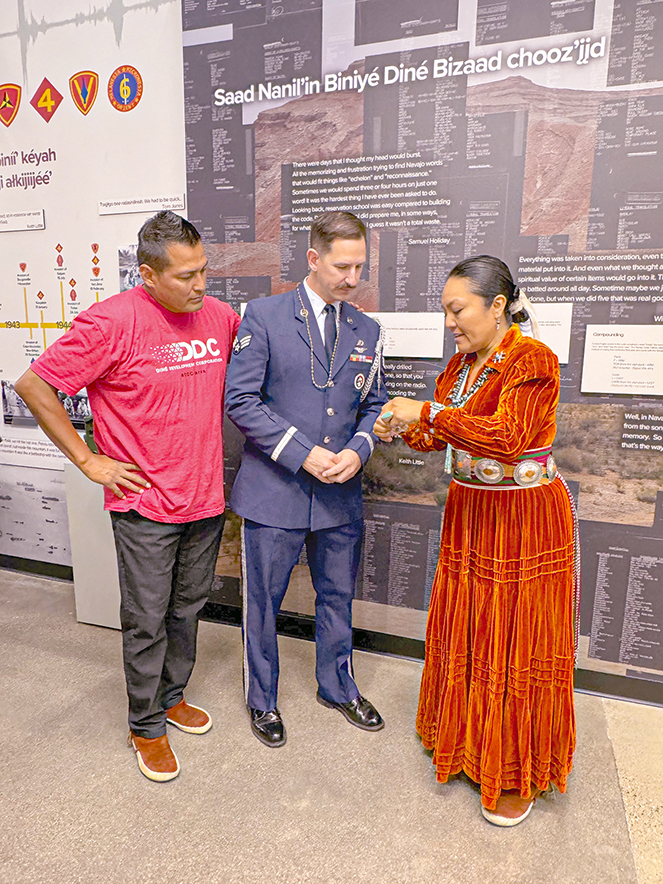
<point>267,726</point>
<point>360,712</point>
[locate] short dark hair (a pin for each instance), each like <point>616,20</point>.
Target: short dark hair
<point>489,277</point>
<point>157,233</point>
<point>335,225</point>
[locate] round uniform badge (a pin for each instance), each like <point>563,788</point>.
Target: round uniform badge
<point>125,88</point>
<point>359,381</point>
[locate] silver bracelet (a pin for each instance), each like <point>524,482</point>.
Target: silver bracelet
<point>435,409</point>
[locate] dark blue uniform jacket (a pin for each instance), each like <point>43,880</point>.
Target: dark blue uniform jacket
<point>271,398</point>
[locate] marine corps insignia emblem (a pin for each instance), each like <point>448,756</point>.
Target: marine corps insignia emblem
<point>46,100</point>
<point>84,87</point>
<point>125,88</point>
<point>10,98</point>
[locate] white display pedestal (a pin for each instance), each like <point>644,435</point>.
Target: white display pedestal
<point>96,584</point>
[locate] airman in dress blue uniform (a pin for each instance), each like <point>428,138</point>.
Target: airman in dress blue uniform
<point>305,386</point>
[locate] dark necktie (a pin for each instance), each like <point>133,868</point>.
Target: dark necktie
<point>330,330</point>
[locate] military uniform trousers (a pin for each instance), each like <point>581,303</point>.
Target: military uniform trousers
<point>268,557</point>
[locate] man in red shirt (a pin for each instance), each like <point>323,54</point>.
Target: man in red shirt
<point>153,360</point>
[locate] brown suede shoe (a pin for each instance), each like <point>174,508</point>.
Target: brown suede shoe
<point>190,719</point>
<point>511,809</point>
<point>155,757</point>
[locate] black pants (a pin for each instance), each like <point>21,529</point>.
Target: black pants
<point>166,572</point>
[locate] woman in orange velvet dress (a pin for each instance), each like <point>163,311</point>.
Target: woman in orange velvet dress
<point>496,695</point>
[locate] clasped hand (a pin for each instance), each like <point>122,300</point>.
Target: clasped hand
<point>331,468</point>
<point>396,417</point>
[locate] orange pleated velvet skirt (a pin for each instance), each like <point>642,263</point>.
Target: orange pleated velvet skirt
<point>496,695</point>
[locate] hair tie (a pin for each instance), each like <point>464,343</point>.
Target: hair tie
<point>516,305</point>
<point>531,326</point>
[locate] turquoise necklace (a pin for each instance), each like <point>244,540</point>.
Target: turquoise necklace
<point>458,399</point>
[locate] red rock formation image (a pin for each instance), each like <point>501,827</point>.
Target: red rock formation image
<point>561,137</point>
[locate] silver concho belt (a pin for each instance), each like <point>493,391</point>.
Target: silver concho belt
<point>534,467</point>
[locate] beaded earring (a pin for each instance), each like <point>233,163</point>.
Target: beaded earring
<point>498,323</point>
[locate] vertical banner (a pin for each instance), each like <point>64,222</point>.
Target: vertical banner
<point>92,143</point>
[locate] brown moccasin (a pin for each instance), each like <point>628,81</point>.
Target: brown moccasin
<point>156,759</point>
<point>190,719</point>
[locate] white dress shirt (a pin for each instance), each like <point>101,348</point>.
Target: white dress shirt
<point>318,308</point>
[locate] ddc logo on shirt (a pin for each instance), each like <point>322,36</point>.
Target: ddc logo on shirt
<point>198,350</point>
<point>186,351</point>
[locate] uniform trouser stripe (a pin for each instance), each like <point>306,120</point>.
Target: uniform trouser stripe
<point>245,662</point>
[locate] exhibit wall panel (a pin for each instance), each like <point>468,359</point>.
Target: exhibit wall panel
<point>531,131</point>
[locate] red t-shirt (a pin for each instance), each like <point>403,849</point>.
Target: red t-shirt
<point>155,382</point>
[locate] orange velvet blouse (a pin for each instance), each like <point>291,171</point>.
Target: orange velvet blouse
<point>512,412</point>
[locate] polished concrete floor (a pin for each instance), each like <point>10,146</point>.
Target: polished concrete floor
<point>335,805</point>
